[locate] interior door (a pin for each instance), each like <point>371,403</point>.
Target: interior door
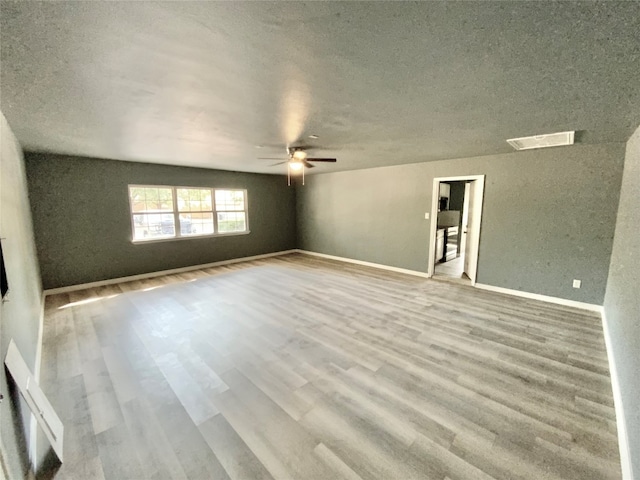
<point>464,222</point>
<point>473,230</point>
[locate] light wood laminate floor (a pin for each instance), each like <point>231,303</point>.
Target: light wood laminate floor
<point>452,269</point>
<point>300,368</point>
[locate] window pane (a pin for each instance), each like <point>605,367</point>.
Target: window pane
<point>194,199</point>
<point>183,199</point>
<point>229,199</point>
<point>231,221</point>
<point>151,199</point>
<point>196,224</point>
<point>165,199</point>
<point>148,226</point>
<point>138,206</point>
<point>138,199</point>
<point>151,194</point>
<point>206,200</point>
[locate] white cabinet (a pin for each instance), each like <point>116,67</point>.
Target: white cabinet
<point>439,244</point>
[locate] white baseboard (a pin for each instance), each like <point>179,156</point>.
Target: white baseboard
<point>366,264</point>
<point>143,276</point>
<point>623,439</point>
<point>544,298</point>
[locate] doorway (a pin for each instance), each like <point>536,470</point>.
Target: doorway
<point>456,217</point>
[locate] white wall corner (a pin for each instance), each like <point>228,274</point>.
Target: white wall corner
<point>621,424</point>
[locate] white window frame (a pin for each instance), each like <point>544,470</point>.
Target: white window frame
<point>176,214</point>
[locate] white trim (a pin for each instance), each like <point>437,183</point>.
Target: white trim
<point>36,372</point>
<point>623,438</point>
<point>535,296</point>
<point>33,422</point>
<point>366,264</point>
<point>431,264</point>
<point>33,441</point>
<point>143,276</point>
<point>544,298</point>
<point>460,178</point>
<point>189,237</point>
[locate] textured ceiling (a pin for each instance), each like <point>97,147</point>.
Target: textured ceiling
<point>203,84</point>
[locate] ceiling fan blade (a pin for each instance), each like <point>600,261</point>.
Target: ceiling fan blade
<point>307,164</point>
<point>279,163</point>
<point>269,158</point>
<point>322,160</point>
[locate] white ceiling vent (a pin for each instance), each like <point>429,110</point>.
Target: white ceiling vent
<point>542,141</point>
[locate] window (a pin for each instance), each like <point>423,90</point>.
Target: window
<point>159,212</point>
<point>230,211</point>
<point>195,209</point>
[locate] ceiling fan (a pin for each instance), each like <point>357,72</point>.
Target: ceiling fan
<point>298,160</point>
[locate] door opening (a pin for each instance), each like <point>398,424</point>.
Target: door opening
<point>456,215</point>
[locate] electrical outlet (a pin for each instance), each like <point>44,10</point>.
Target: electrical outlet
<point>577,283</point>
<point>426,216</point>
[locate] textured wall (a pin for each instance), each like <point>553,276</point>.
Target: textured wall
<point>20,313</point>
<point>549,216</point>
<point>622,301</point>
<point>83,228</point>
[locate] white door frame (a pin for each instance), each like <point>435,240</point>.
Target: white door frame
<point>434,215</point>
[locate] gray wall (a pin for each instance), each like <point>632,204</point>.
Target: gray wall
<point>549,216</point>
<point>622,301</point>
<point>20,313</point>
<point>83,227</point>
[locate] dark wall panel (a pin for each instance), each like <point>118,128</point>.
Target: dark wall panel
<point>83,227</point>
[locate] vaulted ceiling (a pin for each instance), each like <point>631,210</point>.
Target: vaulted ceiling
<point>218,84</point>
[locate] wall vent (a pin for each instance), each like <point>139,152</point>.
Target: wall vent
<point>542,141</point>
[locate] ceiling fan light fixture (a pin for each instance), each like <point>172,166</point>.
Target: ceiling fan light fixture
<point>296,166</point>
<point>299,155</point>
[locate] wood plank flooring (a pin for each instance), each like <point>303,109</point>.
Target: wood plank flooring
<point>453,268</point>
<point>295,367</point>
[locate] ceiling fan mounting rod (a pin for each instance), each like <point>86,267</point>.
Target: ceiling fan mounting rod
<point>292,150</point>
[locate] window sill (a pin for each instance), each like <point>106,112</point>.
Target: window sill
<point>192,237</point>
